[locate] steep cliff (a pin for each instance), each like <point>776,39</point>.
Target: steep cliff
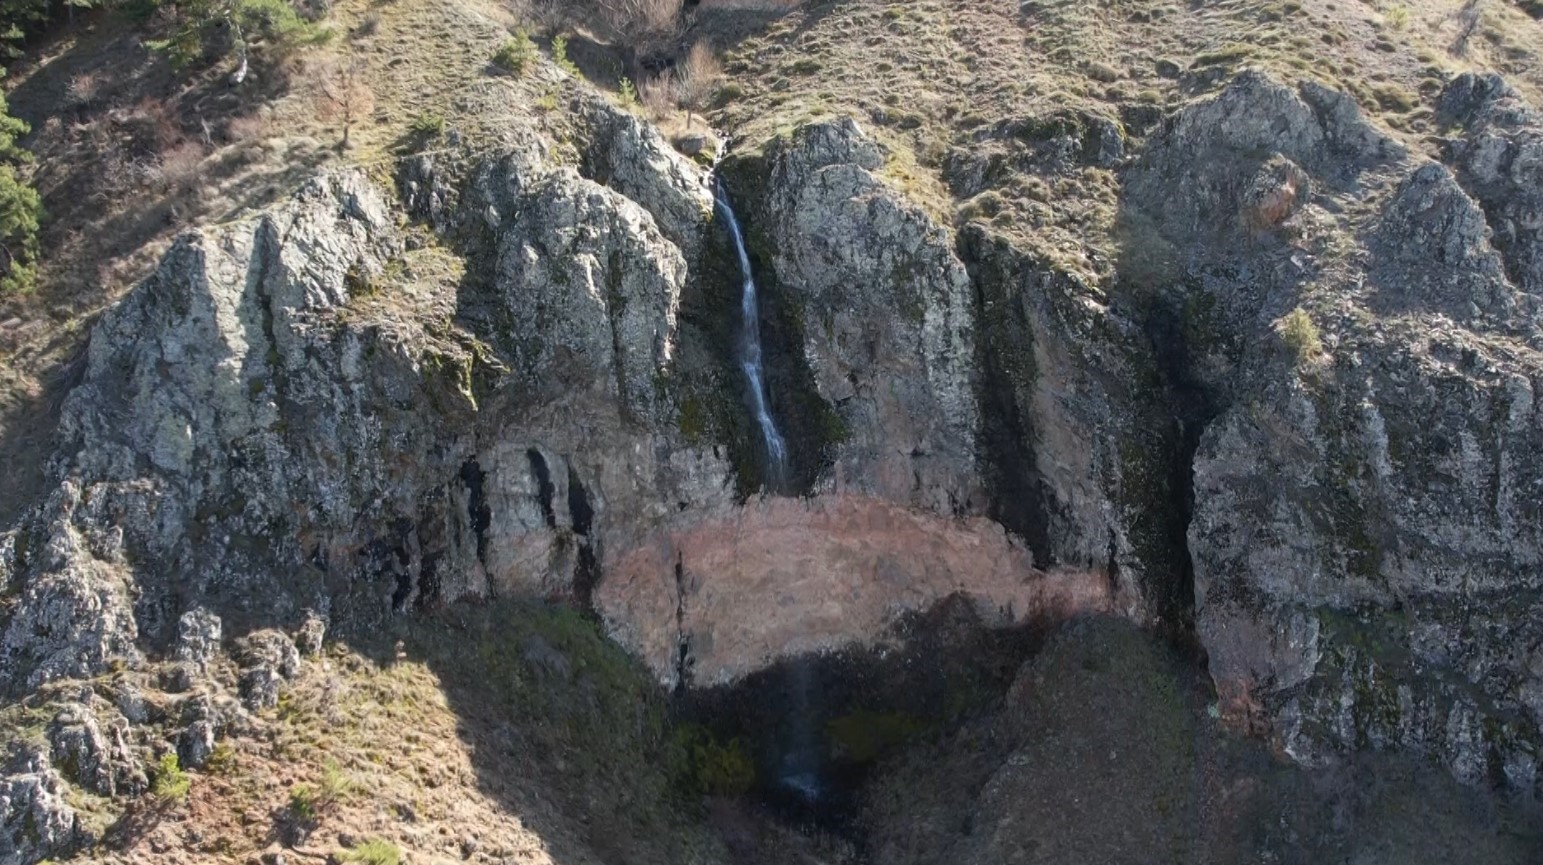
<point>1253,371</point>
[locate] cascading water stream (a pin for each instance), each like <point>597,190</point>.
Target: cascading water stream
<point>750,347</point>
<point>799,773</point>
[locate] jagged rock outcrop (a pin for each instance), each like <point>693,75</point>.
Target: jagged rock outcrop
<point>34,816</point>
<point>1498,154</point>
<point>94,754</point>
<point>313,418</point>
<point>591,290</point>
<point>75,607</point>
<point>1077,446</point>
<point>629,155</point>
<point>1366,533</point>
<point>260,406</point>
<point>885,305</point>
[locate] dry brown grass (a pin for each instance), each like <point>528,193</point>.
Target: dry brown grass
<point>506,734</point>
<point>928,78</point>
<point>696,79</point>
<point>119,179</point>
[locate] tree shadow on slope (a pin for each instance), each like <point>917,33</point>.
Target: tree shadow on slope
<point>1106,753</point>
<point>29,415</point>
<point>568,732</point>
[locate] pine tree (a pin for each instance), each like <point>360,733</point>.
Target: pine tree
<point>20,209</point>
<point>198,23</point>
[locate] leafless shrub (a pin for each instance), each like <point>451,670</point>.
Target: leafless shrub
<point>696,77</point>
<point>115,173</point>
<point>1468,19</point>
<point>632,24</point>
<point>179,168</point>
<point>342,96</point>
<point>154,119</point>
<point>247,128</point>
<point>84,89</point>
<point>366,27</point>
<point>657,93</point>
<point>753,5</point>
<point>641,16</point>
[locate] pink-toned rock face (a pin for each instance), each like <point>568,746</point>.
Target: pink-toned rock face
<point>781,577</point>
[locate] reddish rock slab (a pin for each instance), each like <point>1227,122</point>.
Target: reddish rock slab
<point>780,577</point>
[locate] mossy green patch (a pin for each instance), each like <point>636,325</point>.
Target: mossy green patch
<point>863,736</point>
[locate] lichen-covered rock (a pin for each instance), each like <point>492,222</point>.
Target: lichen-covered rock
<point>198,637</point>
<point>268,659</point>
<point>1367,535</point>
<point>887,316</point>
<point>1190,181</point>
<point>629,155</point>
<point>35,819</point>
<point>94,755</point>
<point>312,634</point>
<point>76,611</point>
<point>1498,155</point>
<point>592,289</point>
<point>205,718</point>
<point>1435,253</point>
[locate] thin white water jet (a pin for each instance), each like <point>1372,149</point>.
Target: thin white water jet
<point>750,346</point>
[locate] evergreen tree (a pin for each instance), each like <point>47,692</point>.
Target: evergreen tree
<point>199,23</point>
<point>20,208</point>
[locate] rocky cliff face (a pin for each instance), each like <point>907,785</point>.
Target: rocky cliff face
<point>1365,536</point>
<point>391,420</point>
<point>1298,409</point>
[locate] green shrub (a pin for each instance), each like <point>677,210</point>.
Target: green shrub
<point>303,803</point>
<point>1301,335</point>
<point>516,54</point>
<point>626,93</point>
<point>560,56</point>
<point>222,760</point>
<point>170,782</point>
<point>336,786</point>
<point>375,851</point>
<point>307,803</point>
<point>712,767</point>
<point>1397,16</point>
<point>428,125</point>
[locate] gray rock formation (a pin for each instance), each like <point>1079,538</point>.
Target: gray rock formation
<point>591,289</point>
<point>268,659</point>
<point>887,318</point>
<point>34,818</point>
<point>1367,537</point>
<point>97,759</point>
<point>1498,155</point>
<point>198,638</point>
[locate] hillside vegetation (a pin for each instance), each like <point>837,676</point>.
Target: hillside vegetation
<point>377,482</point>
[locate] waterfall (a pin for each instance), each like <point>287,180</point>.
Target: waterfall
<point>750,347</point>
<point>799,772</point>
